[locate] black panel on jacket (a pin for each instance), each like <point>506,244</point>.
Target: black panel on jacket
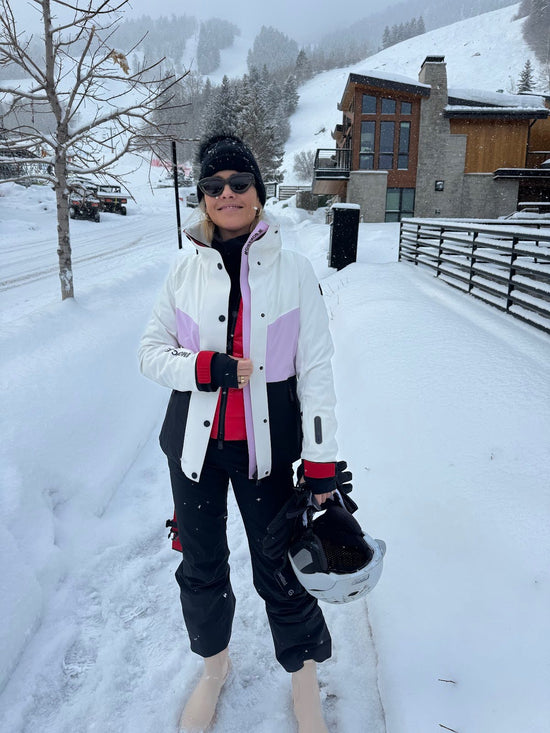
<point>284,422</point>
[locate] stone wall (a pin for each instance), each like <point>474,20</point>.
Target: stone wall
<point>483,197</point>
<point>368,189</point>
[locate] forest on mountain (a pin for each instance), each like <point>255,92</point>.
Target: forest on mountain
<point>371,29</point>
<point>536,29</point>
<point>258,105</point>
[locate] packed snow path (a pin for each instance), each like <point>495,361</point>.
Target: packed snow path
<point>444,414</point>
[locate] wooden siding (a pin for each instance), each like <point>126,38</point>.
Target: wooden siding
<point>493,144</point>
<point>539,139</point>
<point>332,188</point>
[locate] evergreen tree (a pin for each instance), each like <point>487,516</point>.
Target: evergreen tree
<point>302,67</point>
<point>525,81</point>
<point>386,38</point>
<point>290,96</point>
<point>220,113</point>
<point>258,129</point>
<point>273,48</point>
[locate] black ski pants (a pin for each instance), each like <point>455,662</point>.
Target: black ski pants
<point>296,621</point>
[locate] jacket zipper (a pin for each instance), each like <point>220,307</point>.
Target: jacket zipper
<point>225,390</point>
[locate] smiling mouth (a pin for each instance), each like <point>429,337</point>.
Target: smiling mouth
<point>230,207</point>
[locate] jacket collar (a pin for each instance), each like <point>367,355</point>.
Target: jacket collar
<point>258,236</point>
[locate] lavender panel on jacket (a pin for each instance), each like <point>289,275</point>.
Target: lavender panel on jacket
<point>188,331</point>
<point>282,342</point>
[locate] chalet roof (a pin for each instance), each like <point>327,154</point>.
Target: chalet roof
<point>538,173</point>
<point>485,98</point>
<point>480,112</point>
<point>383,80</point>
<point>473,103</point>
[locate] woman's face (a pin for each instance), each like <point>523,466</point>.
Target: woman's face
<point>232,213</point>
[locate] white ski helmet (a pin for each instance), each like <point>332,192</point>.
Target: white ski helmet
<point>333,559</point>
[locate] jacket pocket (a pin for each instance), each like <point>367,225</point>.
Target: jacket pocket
<point>173,428</point>
<point>285,421</point>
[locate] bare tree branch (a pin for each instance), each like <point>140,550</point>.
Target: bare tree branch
<point>80,108</point>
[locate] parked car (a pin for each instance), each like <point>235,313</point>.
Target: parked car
<point>82,199</point>
<point>191,199</point>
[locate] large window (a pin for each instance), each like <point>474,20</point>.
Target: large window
<point>404,143</point>
<point>399,203</point>
<point>388,106</point>
<point>385,142</point>
<point>387,132</point>
<point>368,105</point>
<point>366,151</point>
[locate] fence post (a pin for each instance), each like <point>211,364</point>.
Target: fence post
<point>417,244</point>
<point>439,253</point>
<point>400,240</point>
<point>513,257</point>
<point>472,261</point>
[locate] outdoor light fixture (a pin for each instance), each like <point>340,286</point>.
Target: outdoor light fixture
<point>439,185</point>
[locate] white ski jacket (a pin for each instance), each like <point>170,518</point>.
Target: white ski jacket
<point>285,334</point>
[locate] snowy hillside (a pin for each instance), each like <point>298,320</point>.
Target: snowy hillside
<point>487,52</point>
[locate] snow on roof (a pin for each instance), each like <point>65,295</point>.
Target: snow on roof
<point>392,77</point>
<point>497,99</point>
<point>507,110</point>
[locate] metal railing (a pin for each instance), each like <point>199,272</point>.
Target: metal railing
<point>332,163</point>
<point>502,263</point>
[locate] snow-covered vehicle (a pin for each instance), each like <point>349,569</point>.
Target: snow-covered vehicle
<point>167,179</point>
<point>83,200</point>
<point>112,199</point>
<point>192,199</point>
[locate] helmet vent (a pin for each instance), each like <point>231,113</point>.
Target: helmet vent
<point>345,559</point>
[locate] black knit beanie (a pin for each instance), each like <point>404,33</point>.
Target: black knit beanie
<point>228,153</point>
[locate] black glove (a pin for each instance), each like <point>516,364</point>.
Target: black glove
<point>341,480</point>
<point>224,371</point>
<point>288,522</point>
<point>343,477</point>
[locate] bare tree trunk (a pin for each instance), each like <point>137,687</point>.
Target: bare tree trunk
<point>63,232</point>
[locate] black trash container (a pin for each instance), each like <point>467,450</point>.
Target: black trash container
<point>344,230</point>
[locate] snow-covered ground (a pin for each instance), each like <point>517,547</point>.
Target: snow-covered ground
<point>444,414</point>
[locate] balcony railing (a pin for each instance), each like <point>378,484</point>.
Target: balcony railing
<point>332,163</point>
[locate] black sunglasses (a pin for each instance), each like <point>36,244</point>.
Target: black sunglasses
<point>238,183</point>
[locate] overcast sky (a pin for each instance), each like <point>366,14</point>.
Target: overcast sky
<point>302,20</point>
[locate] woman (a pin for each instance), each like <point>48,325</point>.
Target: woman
<point>240,334</point>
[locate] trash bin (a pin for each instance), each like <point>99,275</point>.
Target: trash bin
<point>344,230</point>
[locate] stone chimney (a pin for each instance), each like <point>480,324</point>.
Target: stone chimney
<point>434,72</point>
<point>440,168</point>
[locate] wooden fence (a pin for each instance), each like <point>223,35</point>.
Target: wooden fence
<point>504,263</point>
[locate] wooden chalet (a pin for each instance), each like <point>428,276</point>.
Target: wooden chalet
<point>409,148</point>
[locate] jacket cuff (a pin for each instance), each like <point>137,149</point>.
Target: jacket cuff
<point>320,478</point>
<point>203,373</point>
<point>319,470</point>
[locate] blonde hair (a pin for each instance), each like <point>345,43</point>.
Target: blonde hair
<point>208,227</point>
